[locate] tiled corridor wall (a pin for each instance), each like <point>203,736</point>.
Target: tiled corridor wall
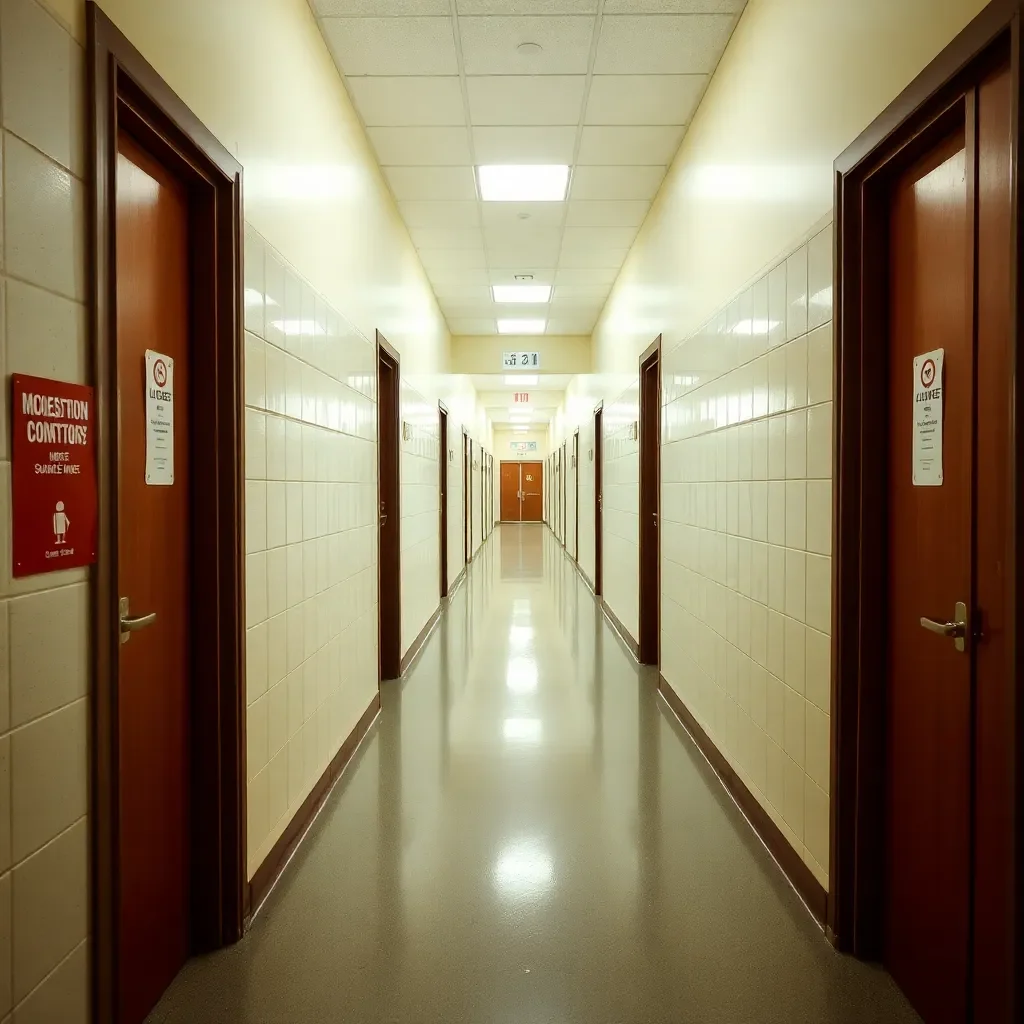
<point>621,507</point>
<point>746,512</point>
<point>44,620</point>
<point>311,537</point>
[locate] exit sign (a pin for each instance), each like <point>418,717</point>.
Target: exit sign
<point>521,398</point>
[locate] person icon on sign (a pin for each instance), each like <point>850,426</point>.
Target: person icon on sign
<point>60,523</point>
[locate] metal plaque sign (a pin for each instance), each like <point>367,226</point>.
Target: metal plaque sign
<point>520,361</point>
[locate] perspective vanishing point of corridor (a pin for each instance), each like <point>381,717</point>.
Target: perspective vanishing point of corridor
<point>527,836</point>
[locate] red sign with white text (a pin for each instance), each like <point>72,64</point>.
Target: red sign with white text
<point>53,475</point>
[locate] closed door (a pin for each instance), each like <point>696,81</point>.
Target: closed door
<point>949,293</point>
<point>533,492</point>
<point>153,558</point>
<point>511,492</point>
<point>389,537</point>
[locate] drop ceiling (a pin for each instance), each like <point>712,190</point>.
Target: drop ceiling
<point>442,86</point>
<point>495,396</point>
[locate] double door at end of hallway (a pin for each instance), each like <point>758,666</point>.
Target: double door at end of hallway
<point>522,492</point>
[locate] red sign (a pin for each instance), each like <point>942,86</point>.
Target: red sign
<point>522,397</point>
<point>53,475</point>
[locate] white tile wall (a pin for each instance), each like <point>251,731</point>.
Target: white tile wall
<point>621,507</point>
<point>311,537</point>
<point>43,685</point>
<point>586,511</point>
<point>746,509</point>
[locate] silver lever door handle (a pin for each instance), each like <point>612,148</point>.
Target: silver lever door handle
<point>132,623</point>
<point>955,630</point>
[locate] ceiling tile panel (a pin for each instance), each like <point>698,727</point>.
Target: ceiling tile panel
<point>522,237</point>
<point>490,45</point>
<point>621,144</point>
<point>392,46</point>
<point>586,276</point>
<point>515,259</point>
<point>541,275</point>
<point>455,293</point>
<point>583,259</point>
<point>622,214</point>
<point>607,238</point>
<point>408,101</point>
<point>453,259</point>
<point>472,327</point>
<point>379,8</point>
<point>447,238</point>
<point>674,6</point>
<point>444,277</point>
<point>527,6</point>
<point>571,325</point>
<point>518,215</point>
<point>566,294</point>
<point>618,183</point>
<point>440,215</point>
<point>523,99</point>
<point>524,145</point>
<point>663,44</point>
<point>431,183</point>
<point>421,147</point>
<point>644,99</point>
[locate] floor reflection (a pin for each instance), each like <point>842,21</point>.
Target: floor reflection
<point>526,836</point>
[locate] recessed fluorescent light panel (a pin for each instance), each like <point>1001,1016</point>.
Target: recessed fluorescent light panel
<point>521,292</point>
<point>522,380</point>
<point>521,326</point>
<point>523,183</point>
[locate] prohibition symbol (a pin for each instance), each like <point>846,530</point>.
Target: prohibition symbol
<point>927,373</point>
<point>160,373</point>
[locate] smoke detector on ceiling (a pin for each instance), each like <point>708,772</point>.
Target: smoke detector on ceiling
<point>529,49</point>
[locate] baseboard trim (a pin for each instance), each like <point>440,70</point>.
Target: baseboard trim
<point>416,647</point>
<point>620,630</point>
<point>273,867</point>
<point>455,584</point>
<point>586,579</point>
<point>799,874</point>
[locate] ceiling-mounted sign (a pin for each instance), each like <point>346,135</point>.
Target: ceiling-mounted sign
<point>523,446</point>
<point>928,380</point>
<point>159,419</point>
<point>53,475</point>
<point>521,398</point>
<point>520,361</point>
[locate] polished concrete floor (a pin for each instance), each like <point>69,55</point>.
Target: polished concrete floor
<point>527,836</point>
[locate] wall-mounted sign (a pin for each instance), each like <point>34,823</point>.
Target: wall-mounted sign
<point>53,475</point>
<point>927,470</point>
<point>523,446</point>
<point>159,419</point>
<point>520,361</point>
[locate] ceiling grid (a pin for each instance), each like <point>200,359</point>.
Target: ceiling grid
<point>605,86</point>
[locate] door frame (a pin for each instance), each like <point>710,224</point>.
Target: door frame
<point>598,499</point>
<point>510,462</point>
<point>442,427</point>
<point>650,504</point>
<point>389,465</point>
<point>125,92</point>
<point>576,483</point>
<point>854,910</point>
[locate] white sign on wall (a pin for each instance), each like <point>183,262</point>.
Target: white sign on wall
<point>523,446</point>
<point>159,419</point>
<point>520,361</point>
<point>928,384</point>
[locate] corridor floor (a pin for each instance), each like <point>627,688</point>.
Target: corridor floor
<point>527,836</point>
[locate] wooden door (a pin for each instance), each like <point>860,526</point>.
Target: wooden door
<point>650,485</point>
<point>533,492</point>
<point>443,495</point>
<point>949,291</point>
<point>511,492</point>
<point>389,489</point>
<point>598,498</point>
<point>153,558</point>
<point>465,499</point>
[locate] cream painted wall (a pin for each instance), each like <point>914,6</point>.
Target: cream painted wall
<point>483,353</point>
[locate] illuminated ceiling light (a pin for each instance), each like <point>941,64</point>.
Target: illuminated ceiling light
<point>522,380</point>
<point>521,292</point>
<point>521,326</point>
<point>523,183</point>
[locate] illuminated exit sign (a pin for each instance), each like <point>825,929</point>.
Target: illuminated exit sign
<point>521,398</point>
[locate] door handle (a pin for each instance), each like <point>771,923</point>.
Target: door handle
<point>131,624</point>
<point>955,630</point>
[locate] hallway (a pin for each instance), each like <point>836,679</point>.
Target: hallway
<point>527,835</point>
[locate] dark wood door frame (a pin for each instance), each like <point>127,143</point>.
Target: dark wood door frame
<point>389,507</point>
<point>442,416</point>
<point>126,94</point>
<point>598,500</point>
<point>650,505</point>
<point>564,472</point>
<point>939,98</point>
<point>576,484</point>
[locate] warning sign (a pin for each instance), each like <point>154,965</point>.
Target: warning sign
<point>928,383</point>
<point>159,419</point>
<point>53,475</point>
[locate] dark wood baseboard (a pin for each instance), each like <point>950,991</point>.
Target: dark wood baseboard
<point>416,647</point>
<point>586,579</point>
<point>798,873</point>
<point>273,866</point>
<point>455,584</point>
<point>620,630</point>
